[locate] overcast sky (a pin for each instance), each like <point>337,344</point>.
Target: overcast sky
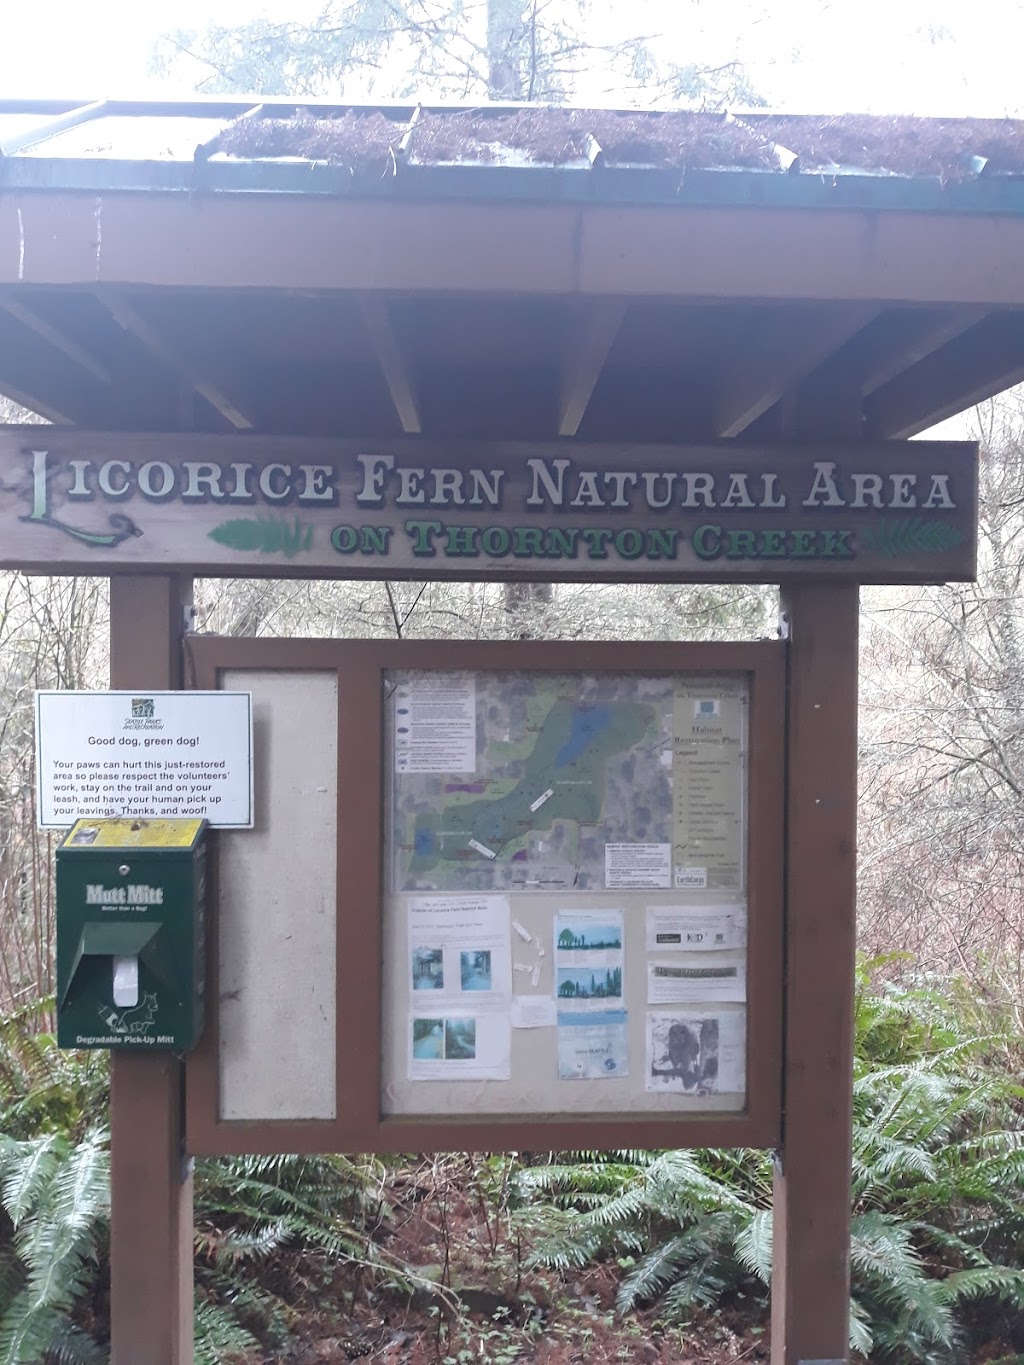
<point>956,57</point>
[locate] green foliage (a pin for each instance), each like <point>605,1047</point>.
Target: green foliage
<point>42,1088</point>
<point>938,1179</point>
<point>56,1195</point>
<point>249,1208</point>
<point>937,1220</point>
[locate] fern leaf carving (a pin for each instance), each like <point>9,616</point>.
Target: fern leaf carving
<point>263,535</point>
<point>911,536</point>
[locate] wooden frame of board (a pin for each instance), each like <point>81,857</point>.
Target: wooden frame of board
<point>359,1124</point>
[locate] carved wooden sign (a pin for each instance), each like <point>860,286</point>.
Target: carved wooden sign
<point>97,502</point>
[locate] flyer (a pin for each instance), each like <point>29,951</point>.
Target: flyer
<point>588,951</point>
<point>459,947</point>
<point>698,978</point>
<point>592,1046</point>
<point>435,723</point>
<point>696,1052</point>
<point>534,1011</point>
<point>586,937</point>
<point>460,988</point>
<point>637,865</point>
<point>695,929</point>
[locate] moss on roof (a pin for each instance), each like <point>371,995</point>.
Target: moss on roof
<point>902,145</point>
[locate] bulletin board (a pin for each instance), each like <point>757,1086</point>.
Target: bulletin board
<point>565,922</point>
<point>553,918</point>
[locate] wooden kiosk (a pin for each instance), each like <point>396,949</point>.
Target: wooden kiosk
<point>512,344</point>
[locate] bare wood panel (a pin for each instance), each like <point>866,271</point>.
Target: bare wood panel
<point>359,1125</point>
<point>894,512</point>
<point>298,243</point>
<point>276,898</point>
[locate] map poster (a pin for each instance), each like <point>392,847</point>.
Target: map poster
<point>709,784</point>
<point>565,765</point>
<point>578,782</point>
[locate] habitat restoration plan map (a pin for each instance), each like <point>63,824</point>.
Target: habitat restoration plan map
<point>520,781</point>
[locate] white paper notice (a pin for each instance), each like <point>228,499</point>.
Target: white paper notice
<point>150,755</point>
<point>534,1011</point>
<point>460,980</point>
<point>435,724</point>
<point>460,946</point>
<point>696,1052</point>
<point>698,978</point>
<point>592,1047</point>
<point>695,929</point>
<point>641,865</point>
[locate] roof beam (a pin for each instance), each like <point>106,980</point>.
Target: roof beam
<point>783,355</point>
<point>42,407</point>
<point>397,374</point>
<point>970,368</point>
<point>591,335</point>
<point>903,337</point>
<point>78,355</point>
<point>44,381</point>
<point>127,316</point>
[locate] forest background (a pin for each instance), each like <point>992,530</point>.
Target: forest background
<point>600,1256</point>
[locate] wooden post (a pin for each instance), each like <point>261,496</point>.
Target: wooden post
<point>811,1273</point>
<point>151,1185</point>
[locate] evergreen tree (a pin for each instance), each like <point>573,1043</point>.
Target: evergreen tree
<point>507,50</point>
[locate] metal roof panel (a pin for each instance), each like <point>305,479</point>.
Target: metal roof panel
<point>521,152</point>
<point>131,138</point>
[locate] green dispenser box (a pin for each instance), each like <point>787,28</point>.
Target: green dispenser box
<point>131,932</point>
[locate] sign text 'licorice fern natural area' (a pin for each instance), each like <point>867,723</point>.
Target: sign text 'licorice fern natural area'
<point>410,507</point>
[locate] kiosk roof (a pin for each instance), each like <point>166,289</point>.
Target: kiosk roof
<point>509,271</point>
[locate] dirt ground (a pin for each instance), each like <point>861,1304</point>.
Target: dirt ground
<point>479,1302</point>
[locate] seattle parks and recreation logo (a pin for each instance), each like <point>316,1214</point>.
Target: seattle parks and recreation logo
<point>143,715</point>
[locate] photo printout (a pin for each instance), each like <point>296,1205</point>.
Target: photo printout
<point>456,1046</point>
<point>696,1052</point>
<point>589,959</point>
<point>460,988</point>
